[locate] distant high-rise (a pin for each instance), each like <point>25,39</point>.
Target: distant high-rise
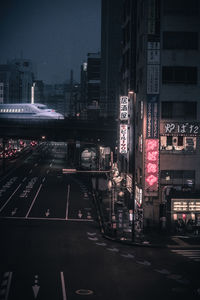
<point>17,78</point>
<point>110,56</point>
<point>26,70</point>
<point>10,84</point>
<point>93,78</point>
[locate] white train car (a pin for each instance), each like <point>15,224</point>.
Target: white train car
<point>28,111</point>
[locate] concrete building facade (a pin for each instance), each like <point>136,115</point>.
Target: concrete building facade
<point>111,38</point>
<point>166,109</point>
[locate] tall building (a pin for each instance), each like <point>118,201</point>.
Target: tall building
<point>166,109</point>
<point>111,38</point>
<point>93,77</point>
<point>10,84</point>
<point>17,77</point>
<point>27,76</point>
<point>90,86</point>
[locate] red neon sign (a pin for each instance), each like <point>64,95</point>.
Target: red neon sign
<point>151,164</point>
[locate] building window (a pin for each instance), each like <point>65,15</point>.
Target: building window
<point>178,143</point>
<point>178,174</point>
<point>179,110</point>
<point>181,7</point>
<point>180,40</point>
<point>183,75</point>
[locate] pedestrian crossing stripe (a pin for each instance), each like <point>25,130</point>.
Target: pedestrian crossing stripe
<point>191,254</point>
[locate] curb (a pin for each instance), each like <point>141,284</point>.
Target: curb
<point>137,244</point>
<point>150,245</point>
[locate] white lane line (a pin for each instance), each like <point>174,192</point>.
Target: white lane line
<point>10,198</point>
<point>43,180</point>
<point>8,286</point>
<point>67,204</point>
<point>24,179</point>
<point>33,201</point>
<point>63,286</point>
<point>47,219</point>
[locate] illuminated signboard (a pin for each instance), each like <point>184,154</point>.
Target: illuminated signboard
<point>151,164</point>
<point>186,205</point>
<point>123,138</point>
<point>181,128</point>
<point>123,108</point>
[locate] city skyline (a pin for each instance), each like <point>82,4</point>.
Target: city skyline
<point>56,36</point>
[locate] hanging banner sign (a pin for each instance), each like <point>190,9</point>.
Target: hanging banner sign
<point>123,108</point>
<point>123,138</point>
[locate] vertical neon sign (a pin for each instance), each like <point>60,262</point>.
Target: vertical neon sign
<point>123,138</point>
<point>151,164</point>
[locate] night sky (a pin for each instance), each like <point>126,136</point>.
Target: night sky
<point>55,34</point>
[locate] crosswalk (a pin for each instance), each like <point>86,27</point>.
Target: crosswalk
<point>193,254</point>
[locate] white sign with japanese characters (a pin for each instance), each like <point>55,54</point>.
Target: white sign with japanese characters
<point>123,108</point>
<point>123,138</point>
<point>182,128</point>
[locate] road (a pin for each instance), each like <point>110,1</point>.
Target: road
<point>51,246</point>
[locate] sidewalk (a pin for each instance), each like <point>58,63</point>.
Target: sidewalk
<point>122,231</point>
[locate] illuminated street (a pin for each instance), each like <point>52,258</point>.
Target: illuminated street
<point>100,150</point>
<point>51,245</point>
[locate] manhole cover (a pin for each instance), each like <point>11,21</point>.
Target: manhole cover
<point>83,292</point>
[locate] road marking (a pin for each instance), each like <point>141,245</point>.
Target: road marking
<point>30,171</point>
<point>145,262</point>
<point>193,254</point>
<point>24,179</point>
<point>179,241</point>
<point>63,286</point>
<point>67,204</point>
<point>43,180</point>
<point>92,238</point>
<point>8,286</point>
<point>80,214</point>
<point>35,287</point>
<point>47,213</point>
<point>101,244</point>
<point>128,255</point>
<point>91,233</point>
<point>113,249</point>
<point>47,171</point>
<point>14,211</point>
<point>83,292</point>
<point>49,219</point>
<point>33,201</point>
<point>81,220</point>
<point>10,197</point>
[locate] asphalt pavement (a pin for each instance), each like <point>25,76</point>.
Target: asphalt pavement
<point>52,246</point>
